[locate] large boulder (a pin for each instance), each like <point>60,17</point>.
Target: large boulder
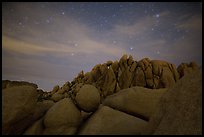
<point>138,101</point>
<point>106,121</point>
<point>36,128</point>
<point>180,109</point>
<point>88,98</point>
<point>18,107</point>
<point>42,107</point>
<point>62,118</point>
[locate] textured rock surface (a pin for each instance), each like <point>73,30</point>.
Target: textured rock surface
<point>8,84</point>
<point>57,97</point>
<point>88,98</point>
<point>18,106</point>
<point>138,101</point>
<point>136,97</point>
<point>107,121</point>
<point>36,128</point>
<point>42,107</point>
<point>62,118</point>
<point>180,109</point>
<point>185,68</point>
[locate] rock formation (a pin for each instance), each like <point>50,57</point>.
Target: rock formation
<point>179,111</point>
<point>117,97</point>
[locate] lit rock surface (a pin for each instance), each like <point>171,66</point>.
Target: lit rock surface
<point>62,118</point>
<point>107,121</point>
<point>180,109</point>
<point>138,101</point>
<point>88,98</point>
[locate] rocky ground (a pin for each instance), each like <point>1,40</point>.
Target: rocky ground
<point>121,97</point>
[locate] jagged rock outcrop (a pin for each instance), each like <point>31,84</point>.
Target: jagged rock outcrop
<point>111,77</point>
<point>116,97</point>
<point>185,68</point>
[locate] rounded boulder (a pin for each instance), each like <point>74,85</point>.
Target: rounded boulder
<point>88,98</point>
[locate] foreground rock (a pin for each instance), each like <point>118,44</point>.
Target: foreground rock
<point>179,111</point>
<point>144,97</point>
<point>36,128</point>
<point>138,101</point>
<point>88,98</point>
<point>106,121</point>
<point>62,118</point>
<point>18,107</point>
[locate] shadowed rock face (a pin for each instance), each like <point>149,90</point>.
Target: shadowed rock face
<point>179,111</point>
<point>117,97</point>
<point>18,107</point>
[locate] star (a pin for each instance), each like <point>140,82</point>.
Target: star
<point>75,44</point>
<point>131,48</point>
<point>152,29</point>
<point>48,21</point>
<point>72,54</point>
<point>157,15</point>
<point>62,13</point>
<point>113,15</point>
<point>20,23</point>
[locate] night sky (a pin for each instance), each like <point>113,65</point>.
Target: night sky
<point>50,43</point>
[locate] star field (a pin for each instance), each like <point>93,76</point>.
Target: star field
<point>48,43</point>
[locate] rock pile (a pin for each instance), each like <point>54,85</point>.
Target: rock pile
<point>126,96</point>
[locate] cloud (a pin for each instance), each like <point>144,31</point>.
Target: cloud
<point>192,23</point>
<point>136,29</point>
